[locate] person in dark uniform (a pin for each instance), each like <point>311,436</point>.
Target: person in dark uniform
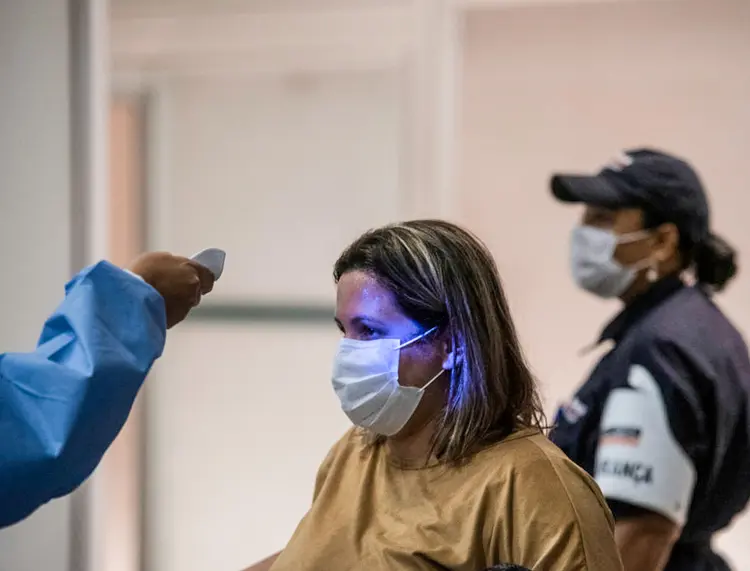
<point>663,422</point>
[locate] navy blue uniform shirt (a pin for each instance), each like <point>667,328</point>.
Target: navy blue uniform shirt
<point>663,422</point>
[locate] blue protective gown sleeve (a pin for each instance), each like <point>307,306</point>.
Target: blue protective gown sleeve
<point>63,405</point>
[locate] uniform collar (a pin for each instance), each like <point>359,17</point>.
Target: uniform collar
<point>641,305</point>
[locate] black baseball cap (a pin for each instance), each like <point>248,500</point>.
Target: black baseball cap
<point>657,182</point>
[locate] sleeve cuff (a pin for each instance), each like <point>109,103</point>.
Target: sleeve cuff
<point>133,274</point>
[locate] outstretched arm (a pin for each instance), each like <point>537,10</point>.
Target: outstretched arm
<point>62,405</point>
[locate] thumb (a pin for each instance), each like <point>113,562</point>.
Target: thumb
<point>205,277</point>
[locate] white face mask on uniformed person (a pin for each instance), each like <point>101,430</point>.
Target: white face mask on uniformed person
<point>365,378</point>
<point>593,266</point>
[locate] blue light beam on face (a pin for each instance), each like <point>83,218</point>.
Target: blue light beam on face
<point>366,310</point>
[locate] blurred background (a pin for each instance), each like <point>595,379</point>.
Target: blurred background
<point>279,130</point>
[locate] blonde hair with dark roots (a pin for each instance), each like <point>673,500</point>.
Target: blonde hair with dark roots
<point>443,276</point>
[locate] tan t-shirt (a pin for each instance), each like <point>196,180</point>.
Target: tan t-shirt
<point>519,501</point>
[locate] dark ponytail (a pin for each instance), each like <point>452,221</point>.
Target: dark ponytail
<point>714,262</point>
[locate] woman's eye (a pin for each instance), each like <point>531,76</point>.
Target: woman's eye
<point>369,332</point>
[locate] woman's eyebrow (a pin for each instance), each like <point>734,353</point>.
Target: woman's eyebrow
<point>361,320</point>
<point>365,319</point>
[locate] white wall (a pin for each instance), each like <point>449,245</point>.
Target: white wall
<point>34,220</point>
<point>566,87</point>
<point>278,171</point>
<point>282,174</point>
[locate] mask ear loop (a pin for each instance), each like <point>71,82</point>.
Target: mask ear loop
<point>422,336</point>
<point>432,380</point>
<point>652,274</point>
<point>634,236</point>
<point>417,338</point>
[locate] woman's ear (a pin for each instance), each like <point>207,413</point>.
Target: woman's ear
<point>668,244</point>
<point>454,354</point>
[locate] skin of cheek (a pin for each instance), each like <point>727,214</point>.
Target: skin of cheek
<point>416,368</point>
<point>631,254</point>
<point>418,364</point>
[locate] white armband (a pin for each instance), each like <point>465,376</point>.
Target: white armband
<point>639,460</point>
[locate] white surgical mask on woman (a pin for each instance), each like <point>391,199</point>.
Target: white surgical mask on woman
<point>593,266</point>
<point>365,378</point>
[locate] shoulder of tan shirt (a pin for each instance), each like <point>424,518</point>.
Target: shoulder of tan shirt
<point>547,512</point>
<point>537,505</point>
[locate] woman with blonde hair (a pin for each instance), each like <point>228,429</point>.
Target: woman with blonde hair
<point>447,466</point>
